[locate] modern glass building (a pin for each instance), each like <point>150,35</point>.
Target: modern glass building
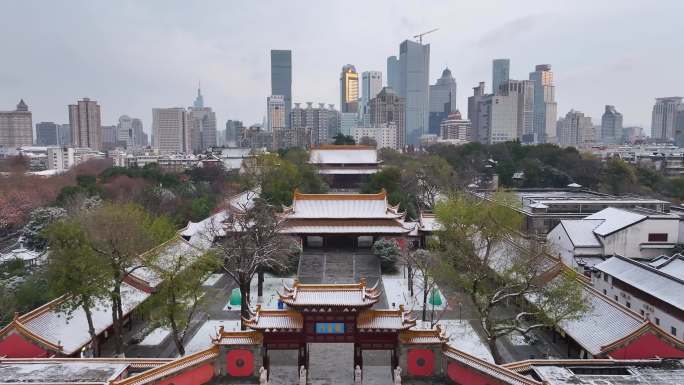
<point>500,73</point>
<point>281,77</point>
<point>414,79</point>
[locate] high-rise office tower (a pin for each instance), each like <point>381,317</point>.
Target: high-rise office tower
<point>139,137</point>
<point>664,117</point>
<point>387,109</point>
<point>544,103</point>
<point>349,89</point>
<point>475,115</point>
<point>611,126</point>
<point>442,100</point>
<point>275,119</point>
<point>500,73</point>
<point>86,128</point>
<point>275,112</point>
<point>524,91</point>
<point>679,127</point>
<point>199,100</point>
<point>371,84</point>
<point>281,78</point>
<point>16,127</point>
<point>47,134</point>
<point>232,132</point>
<point>348,122</point>
<point>171,130</point>
<point>499,118</point>
<point>202,122</point>
<point>125,131</point>
<point>413,87</point>
<point>575,130</point>
<point>109,138</point>
<point>65,135</point>
<point>393,73</point>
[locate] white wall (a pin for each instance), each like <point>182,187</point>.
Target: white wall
<point>627,242</point>
<point>666,321</point>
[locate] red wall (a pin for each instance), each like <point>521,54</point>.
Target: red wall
<point>16,346</point>
<point>468,376</point>
<point>197,376</point>
<point>420,362</point>
<point>647,346</point>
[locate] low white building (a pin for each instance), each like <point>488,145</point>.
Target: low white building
<point>385,136</point>
<point>634,233</point>
<point>64,158</point>
<point>653,289</point>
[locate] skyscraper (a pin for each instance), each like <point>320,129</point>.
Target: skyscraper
<point>393,73</point>
<point>281,78</point>
<point>86,129</point>
<point>349,89</point>
<point>611,126</point>
<point>500,73</point>
<point>387,109</point>
<point>16,127</point>
<point>475,114</point>
<point>524,91</point>
<point>125,131</point>
<point>414,78</point>
<point>65,135</point>
<point>275,113</point>
<point>679,127</point>
<point>312,125</point>
<point>171,130</point>
<point>47,134</point>
<point>544,103</point>
<point>232,133</point>
<point>202,123</point>
<point>139,136</point>
<point>371,84</point>
<point>109,138</point>
<point>575,130</point>
<point>454,127</point>
<point>664,117</point>
<point>442,100</point>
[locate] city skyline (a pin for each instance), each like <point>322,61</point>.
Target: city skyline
<point>235,74</point>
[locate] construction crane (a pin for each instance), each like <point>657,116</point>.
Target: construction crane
<point>420,35</point>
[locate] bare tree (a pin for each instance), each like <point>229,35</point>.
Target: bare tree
<point>248,241</point>
<point>476,248</point>
<point>422,263</point>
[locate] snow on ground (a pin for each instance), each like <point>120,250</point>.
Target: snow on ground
<point>397,292</point>
<point>155,337</point>
<point>211,281</point>
<point>202,339</point>
<point>517,339</point>
<point>463,337</point>
<point>272,284</point>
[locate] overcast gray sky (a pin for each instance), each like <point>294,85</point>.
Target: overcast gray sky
<point>132,56</point>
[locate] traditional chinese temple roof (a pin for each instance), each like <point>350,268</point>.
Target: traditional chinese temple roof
<point>377,320</point>
<point>179,365</point>
<point>275,320</point>
<point>423,336</point>
<point>55,330</point>
<point>341,206</point>
<point>333,295</point>
<point>505,375</point>
<point>241,337</point>
<point>346,226</point>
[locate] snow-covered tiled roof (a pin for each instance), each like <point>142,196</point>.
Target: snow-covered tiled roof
<point>614,219</point>
<point>59,372</point>
<point>347,295</point>
<point>275,319</point>
<point>348,171</point>
<point>656,282</point>
<point>167,254</point>
<point>346,226</point>
<point>605,322</point>
<point>341,206</point>
<point>153,376</point>
<point>71,331</point>
<point>428,222</point>
<point>506,376</point>
<point>331,154</point>
<point>423,336</point>
<point>581,231</point>
<point>385,320</point>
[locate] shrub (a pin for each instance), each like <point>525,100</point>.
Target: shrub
<point>388,251</point>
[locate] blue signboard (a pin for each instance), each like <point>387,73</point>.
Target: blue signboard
<point>329,328</point>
